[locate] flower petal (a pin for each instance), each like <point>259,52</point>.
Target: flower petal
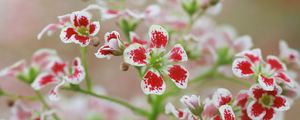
<point>78,73</point>
<point>81,40</point>
<point>177,54</point>
<point>153,83</point>
<point>221,97</point>
<point>14,70</point>
<point>281,103</point>
<point>255,110</point>
<point>49,29</point>
<point>158,37</point>
<point>80,18</point>
<point>242,98</point>
<point>151,11</point>
<point>59,68</point>
<point>270,114</point>
<point>109,13</point>
<point>192,101</point>
<point>243,43</point>
<point>226,112</point>
<point>266,83</point>
<point>136,55</point>
<point>283,77</point>
<point>179,75</point>
<point>180,114</point>
<point>241,67</point>
<point>275,63</point>
<point>136,39</point>
<point>44,79</point>
<point>54,95</point>
<point>111,35</point>
<point>67,34</point>
<point>104,52</point>
<point>288,54</point>
<point>209,110</point>
<point>253,55</point>
<point>94,28</point>
<point>256,91</point>
<point>43,58</point>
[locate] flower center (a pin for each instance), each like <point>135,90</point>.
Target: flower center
<point>156,61</point>
<point>266,100</point>
<point>83,31</point>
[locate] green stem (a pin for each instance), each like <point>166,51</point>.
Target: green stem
<point>45,104</point>
<point>111,99</point>
<point>234,80</point>
<point>156,102</point>
<point>83,52</point>
<point>15,97</point>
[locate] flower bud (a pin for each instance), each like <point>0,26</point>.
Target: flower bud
<point>10,103</point>
<point>95,42</point>
<point>124,66</point>
<point>192,102</point>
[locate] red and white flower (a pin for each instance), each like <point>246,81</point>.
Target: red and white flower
<point>59,74</point>
<point>106,13</point>
<point>241,101</point>
<point>181,114</point>
<point>52,27</point>
<point>266,103</point>
<point>40,61</point>
<point>288,54</point>
<point>250,63</point>
<point>158,62</point>
<point>112,45</point>
<point>218,107</point>
<point>80,30</point>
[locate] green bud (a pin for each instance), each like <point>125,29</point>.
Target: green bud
<point>127,25</point>
<point>190,6</point>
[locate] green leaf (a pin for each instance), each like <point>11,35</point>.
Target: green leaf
<point>1,92</point>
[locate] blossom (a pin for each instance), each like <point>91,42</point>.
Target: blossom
<point>111,46</point>
<point>287,54</point>
<point>51,28</point>
<point>182,114</point>
<point>267,73</point>
<point>158,62</point>
<point>219,106</point>
<point>241,101</point>
<point>40,61</point>
<point>80,30</point>
<point>106,13</point>
<point>59,74</point>
<point>148,13</point>
<point>266,103</point>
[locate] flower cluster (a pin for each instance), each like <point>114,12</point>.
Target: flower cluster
<point>159,58</point>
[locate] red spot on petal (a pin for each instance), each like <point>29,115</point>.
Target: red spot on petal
<point>176,54</point>
<point>70,32</point>
<point>279,102</point>
<point>224,100</point>
<point>83,21</point>
<point>177,73</point>
<point>245,67</point>
<point>153,81</point>
<point>283,77</point>
<point>58,67</point>
<point>257,109</point>
<point>252,57</point>
<point>138,55</point>
<point>268,81</point>
<point>111,11</point>
<point>82,39</point>
<point>275,64</point>
<point>92,28</point>
<point>46,79</point>
<point>269,114</point>
<point>158,39</point>
<point>228,115</point>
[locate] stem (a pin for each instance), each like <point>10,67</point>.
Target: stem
<point>83,52</point>
<point>156,101</point>
<point>45,104</point>
<point>111,99</point>
<point>232,79</point>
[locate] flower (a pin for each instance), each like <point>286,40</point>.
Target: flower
<point>80,30</point>
<point>241,101</point>
<point>218,107</point>
<point>148,13</point>
<point>266,103</point>
<point>50,28</point>
<point>40,61</point>
<point>182,114</point>
<point>287,54</point>
<point>250,63</point>
<point>106,13</point>
<point>59,74</point>
<point>112,45</point>
<point>158,62</point>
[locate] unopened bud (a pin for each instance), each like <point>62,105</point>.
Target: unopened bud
<point>95,42</point>
<point>214,2</point>
<point>124,66</point>
<point>10,103</point>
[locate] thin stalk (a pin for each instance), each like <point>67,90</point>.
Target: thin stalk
<point>88,81</point>
<point>156,101</point>
<point>111,99</point>
<point>45,104</point>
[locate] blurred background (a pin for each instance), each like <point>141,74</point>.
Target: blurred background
<point>267,21</point>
